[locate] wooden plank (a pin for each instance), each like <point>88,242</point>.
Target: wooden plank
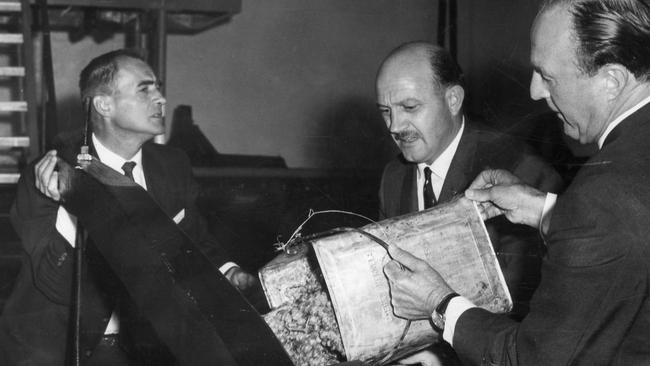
<point>9,178</point>
<point>202,6</point>
<point>10,6</point>
<point>14,141</point>
<point>12,71</point>
<point>11,38</point>
<point>13,106</point>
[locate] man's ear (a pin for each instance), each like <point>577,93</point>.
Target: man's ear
<point>454,96</point>
<point>102,104</point>
<point>615,79</point>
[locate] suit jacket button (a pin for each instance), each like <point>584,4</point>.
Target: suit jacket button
<point>61,259</point>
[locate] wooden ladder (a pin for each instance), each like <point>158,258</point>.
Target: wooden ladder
<point>19,137</point>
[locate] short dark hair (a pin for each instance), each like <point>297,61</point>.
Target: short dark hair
<point>610,32</point>
<point>446,71</point>
<point>98,76</point>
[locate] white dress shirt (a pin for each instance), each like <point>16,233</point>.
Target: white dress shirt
<point>439,168</point>
<point>458,305</point>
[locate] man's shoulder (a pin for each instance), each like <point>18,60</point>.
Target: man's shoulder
<point>164,152</point>
<point>495,145</point>
<point>397,166</point>
<point>489,137</point>
<point>68,144</point>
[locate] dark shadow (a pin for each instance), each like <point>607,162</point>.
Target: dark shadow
<point>187,136</point>
<point>252,210</point>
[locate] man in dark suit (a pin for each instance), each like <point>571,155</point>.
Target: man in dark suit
<point>592,307</point>
<point>127,110</point>
<point>420,95</point>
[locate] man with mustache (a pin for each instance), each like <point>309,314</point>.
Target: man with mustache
<point>126,112</point>
<point>592,66</point>
<point>420,96</point>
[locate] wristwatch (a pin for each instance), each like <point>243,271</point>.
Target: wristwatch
<point>437,319</point>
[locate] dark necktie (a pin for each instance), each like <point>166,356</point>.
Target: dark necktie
<point>429,196</point>
<point>128,169</point>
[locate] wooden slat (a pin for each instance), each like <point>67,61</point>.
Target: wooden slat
<point>207,6</point>
<point>9,178</point>
<point>14,141</point>
<point>12,71</point>
<point>10,6</point>
<point>13,106</point>
<point>11,38</point>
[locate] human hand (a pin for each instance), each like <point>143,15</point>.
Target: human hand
<point>46,178</point>
<point>415,290</point>
<point>499,192</point>
<point>423,358</point>
<point>240,278</point>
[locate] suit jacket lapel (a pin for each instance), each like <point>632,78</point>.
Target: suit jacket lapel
<point>460,173</point>
<point>409,199</point>
<point>153,169</point>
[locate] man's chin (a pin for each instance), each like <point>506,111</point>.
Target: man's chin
<point>571,132</point>
<point>412,158</point>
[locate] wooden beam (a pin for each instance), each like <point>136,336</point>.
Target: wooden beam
<point>201,6</point>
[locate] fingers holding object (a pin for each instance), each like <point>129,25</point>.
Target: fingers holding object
<point>46,178</point>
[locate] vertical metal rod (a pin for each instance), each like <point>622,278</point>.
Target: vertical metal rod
<point>161,55</point>
<point>80,247</point>
<point>50,124</point>
<point>442,22</point>
<point>76,310</point>
<point>453,29</point>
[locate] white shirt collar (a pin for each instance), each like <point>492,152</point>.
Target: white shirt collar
<point>620,119</point>
<point>441,165</point>
<point>115,162</point>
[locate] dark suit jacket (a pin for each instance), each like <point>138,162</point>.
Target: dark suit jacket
<point>478,150</point>
<point>34,326</point>
<point>516,246</point>
<point>592,305</point>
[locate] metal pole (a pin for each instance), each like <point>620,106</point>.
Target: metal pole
<point>161,55</point>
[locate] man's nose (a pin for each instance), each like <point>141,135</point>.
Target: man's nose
<point>160,99</point>
<point>397,122</point>
<point>538,89</point>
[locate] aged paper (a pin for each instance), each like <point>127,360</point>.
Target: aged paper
<point>450,237</point>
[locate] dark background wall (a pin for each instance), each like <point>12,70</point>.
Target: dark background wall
<point>295,79</point>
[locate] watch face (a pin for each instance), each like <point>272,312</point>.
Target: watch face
<point>438,322</point>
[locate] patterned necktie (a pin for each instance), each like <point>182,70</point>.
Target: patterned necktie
<point>128,169</point>
<point>429,196</point>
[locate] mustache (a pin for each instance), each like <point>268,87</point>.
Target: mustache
<point>405,135</point>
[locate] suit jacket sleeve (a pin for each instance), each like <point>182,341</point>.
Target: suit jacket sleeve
<point>594,283</point>
<point>33,216</point>
<point>194,224</point>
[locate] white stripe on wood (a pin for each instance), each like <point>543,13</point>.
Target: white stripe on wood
<point>10,6</point>
<point>14,141</point>
<point>11,38</point>
<point>13,106</point>
<point>12,71</point>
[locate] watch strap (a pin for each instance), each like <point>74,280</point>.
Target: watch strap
<point>442,307</point>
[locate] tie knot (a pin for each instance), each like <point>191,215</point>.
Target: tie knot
<point>128,168</point>
<point>427,173</point>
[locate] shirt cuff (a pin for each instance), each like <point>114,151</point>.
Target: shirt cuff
<point>66,225</point>
<point>457,306</point>
<point>226,267</point>
<point>549,204</point>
